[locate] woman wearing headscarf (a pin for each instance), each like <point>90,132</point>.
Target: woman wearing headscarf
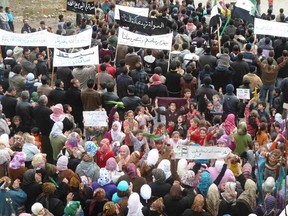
<point>149,164</point>
<point>132,176</point>
<point>95,206</point>
<point>49,199</point>
<point>109,209</point>
<point>177,200</point>
<point>159,186</point>
<point>17,167</point>
<point>204,183</point>
<point>242,138</point>
<point>229,124</point>
<point>31,185</point>
<point>112,167</point>
<point>197,207</point>
<point>134,205</point>
<point>269,208</point>
<point>187,181</point>
<point>246,202</point>
<point>104,153</point>
<point>104,181</point>
<point>213,200</point>
<point>12,198</point>
<point>115,134</point>
<point>123,157</point>
<point>229,196</point>
<point>60,126</point>
<point>87,166</point>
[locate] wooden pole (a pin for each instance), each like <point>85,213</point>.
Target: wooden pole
<point>219,41</point>
<point>48,58</point>
<point>52,77</point>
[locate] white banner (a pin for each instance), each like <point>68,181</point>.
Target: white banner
<point>128,38</point>
<point>95,118</point>
<point>243,93</point>
<point>83,57</point>
<point>200,152</point>
<point>139,11</point>
<point>72,41</point>
<point>265,27</point>
<point>32,39</point>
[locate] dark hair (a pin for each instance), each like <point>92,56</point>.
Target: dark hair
<point>90,83</point>
<point>17,69</point>
<point>58,83</point>
<point>44,80</point>
<point>103,67</point>
<point>106,58</point>
<point>175,192</point>
<point>131,89</point>
<point>105,44</point>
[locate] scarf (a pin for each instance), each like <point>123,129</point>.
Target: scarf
<point>134,205</point>
<point>213,200</point>
<point>117,133</point>
<point>249,195</point>
<point>229,124</point>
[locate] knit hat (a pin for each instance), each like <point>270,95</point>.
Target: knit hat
<point>156,79</point>
<point>158,176</point>
<point>9,52</point>
<point>38,160</point>
<point>62,163</point>
<point>229,89</point>
<point>104,177</point>
<point>268,185</point>
<point>188,178</point>
<point>37,208</point>
<point>72,142</point>
<point>109,209</point>
<point>204,183</point>
<point>58,113</point>
<point>35,97</point>
<point>72,208</point>
<point>115,198</point>
<point>123,186</point>
<point>18,160</point>
<point>30,76</point>
<point>270,202</point>
<point>90,148</point>
<point>146,192</point>
<point>247,168</point>
<point>274,158</point>
<point>111,164</point>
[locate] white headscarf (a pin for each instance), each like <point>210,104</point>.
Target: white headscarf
<point>117,135</point>
<point>278,118</point>
<point>134,205</point>
<point>165,165</point>
<point>153,157</point>
<point>182,167</point>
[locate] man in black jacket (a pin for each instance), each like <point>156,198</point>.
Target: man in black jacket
<point>9,102</point>
<point>57,95</point>
<point>41,66</point>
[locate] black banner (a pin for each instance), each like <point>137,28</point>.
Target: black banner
<point>80,6</point>
<point>150,26</point>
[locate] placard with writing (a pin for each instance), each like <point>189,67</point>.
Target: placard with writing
<point>95,118</point>
<point>80,6</point>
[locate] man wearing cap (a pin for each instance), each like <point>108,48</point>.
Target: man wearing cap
<point>9,61</point>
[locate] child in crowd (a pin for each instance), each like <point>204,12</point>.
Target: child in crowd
<point>181,126</point>
<point>262,112</point>
<point>15,126</point>
<point>262,136</point>
<point>37,135</point>
<point>218,102</point>
<point>139,140</point>
<point>29,148</point>
<point>129,125</point>
<point>176,139</point>
<point>143,116</point>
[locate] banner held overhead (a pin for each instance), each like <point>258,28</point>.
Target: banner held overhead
<point>79,6</point>
<point>139,11</point>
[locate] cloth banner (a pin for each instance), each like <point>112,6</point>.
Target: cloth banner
<point>166,101</point>
<point>72,41</point>
<point>200,152</point>
<point>139,11</point>
<point>265,27</point>
<point>95,118</point>
<point>150,26</point>
<point>128,38</point>
<point>80,6</point>
<point>32,39</point>
<point>81,58</point>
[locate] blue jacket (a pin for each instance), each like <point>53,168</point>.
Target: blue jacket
<point>18,198</point>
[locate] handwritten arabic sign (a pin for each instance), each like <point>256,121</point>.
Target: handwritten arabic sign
<point>265,27</point>
<point>200,152</point>
<point>128,38</point>
<point>80,6</point>
<point>155,26</point>
<point>95,118</point>
<point>73,41</point>
<point>139,11</point>
<point>32,39</point>
<point>84,57</point>
<point>243,93</point>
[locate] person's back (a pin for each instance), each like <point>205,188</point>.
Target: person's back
<point>123,81</point>
<point>173,81</point>
<point>91,99</point>
<point>231,102</point>
<point>131,101</point>
<point>83,74</point>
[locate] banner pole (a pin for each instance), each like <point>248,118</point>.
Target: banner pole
<point>219,41</point>
<point>52,78</point>
<point>48,57</point>
<point>225,26</point>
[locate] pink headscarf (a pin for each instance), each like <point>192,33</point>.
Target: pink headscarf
<point>229,124</point>
<point>105,147</point>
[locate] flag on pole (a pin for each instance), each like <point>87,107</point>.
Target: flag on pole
<point>245,9</point>
<point>214,15</point>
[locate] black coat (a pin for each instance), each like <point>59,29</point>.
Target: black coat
<point>25,111</point>
<point>42,69</point>
<point>240,68</point>
<point>108,96</point>
<point>230,105</point>
<point>73,98</point>
<point>9,103</point>
<point>56,96</point>
<point>204,90</point>
<point>173,84</point>
<point>65,74</point>
<point>157,91</point>
<point>123,80</point>
<point>42,119</point>
<point>53,204</point>
<point>160,190</point>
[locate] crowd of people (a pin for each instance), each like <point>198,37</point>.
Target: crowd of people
<point>51,163</point>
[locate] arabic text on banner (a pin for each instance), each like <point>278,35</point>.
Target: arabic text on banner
<point>80,6</point>
<point>95,118</point>
<point>155,26</point>
<point>72,41</point>
<point>243,93</point>
<point>128,38</point>
<point>200,152</point>
<point>265,27</point>
<point>81,58</point>
<point>139,11</point>
<point>32,39</point>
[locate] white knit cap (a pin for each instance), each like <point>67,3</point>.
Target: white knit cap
<point>36,208</point>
